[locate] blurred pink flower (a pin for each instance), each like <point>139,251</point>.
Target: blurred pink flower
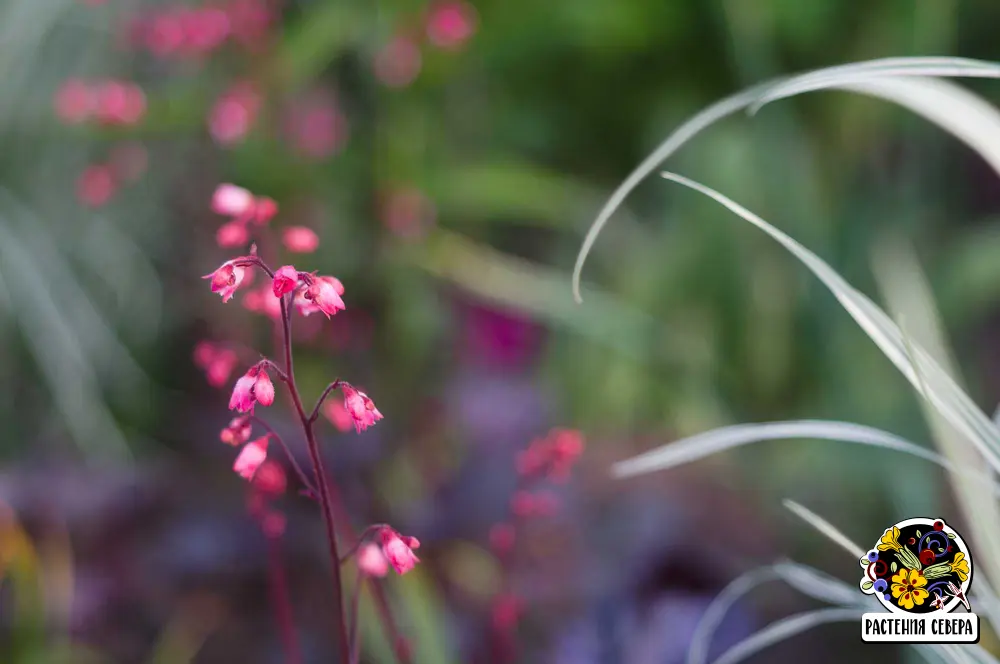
<point>361,408</point>
<point>263,301</point>
<point>221,367</point>
<point>407,212</point>
<point>335,411</point>
<point>226,279</point>
<point>231,200</point>
<point>163,34</point>
<point>119,102</point>
<point>249,21</point>
<point>502,537</point>
<point>450,24</point>
<point>300,239</point>
<point>204,30</point>
<point>74,101</point>
<point>234,114</point>
<point>270,479</point>
<point>315,126</point>
<point>96,185</point>
<point>232,234</point>
<point>506,611</point>
<point>251,457</point>
<point>398,62</point>
<point>238,431</point>
<point>286,278</point>
<point>273,524</point>
<point>265,209</point>
<point>371,560</point>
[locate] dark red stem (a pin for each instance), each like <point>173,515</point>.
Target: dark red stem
<point>322,486</point>
<point>282,602</point>
<point>288,453</point>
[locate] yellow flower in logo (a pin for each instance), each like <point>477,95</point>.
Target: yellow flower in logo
<point>960,566</point>
<point>908,588</point>
<point>890,540</point>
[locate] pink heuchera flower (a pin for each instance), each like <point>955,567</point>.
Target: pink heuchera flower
<point>234,113</point>
<point>361,408</point>
<point>371,560</point>
<point>263,389</point>
<point>450,24</point>
<point>324,294</point>
<point>286,278</point>
<point>120,103</point>
<point>231,200</point>
<point>96,186</point>
<point>242,397</point>
<point>238,431</point>
<point>315,127</point>
<point>265,209</point>
<point>270,479</point>
<point>251,457</point>
<point>221,367</point>
<point>232,234</point>
<point>299,239</point>
<point>226,279</point>
<point>74,101</point>
<point>336,412</point>
<point>399,550</point>
<point>263,301</point>
<point>398,62</point>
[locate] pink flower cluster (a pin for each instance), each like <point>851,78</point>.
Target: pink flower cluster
<point>546,459</point>
<point>448,26</point>
<point>195,32</point>
<point>108,102</point>
<point>99,182</point>
<point>243,209</point>
<point>217,361</point>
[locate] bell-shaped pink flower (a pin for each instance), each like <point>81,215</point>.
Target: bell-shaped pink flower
<point>396,550</point>
<point>336,412</point>
<point>270,479</point>
<point>263,389</point>
<point>242,399</point>
<point>450,24</point>
<point>231,201</point>
<point>233,234</point>
<point>371,560</point>
<point>361,408</point>
<point>286,278</point>
<point>322,293</point>
<point>226,279</point>
<point>251,457</point>
<point>300,239</point>
<point>265,209</point>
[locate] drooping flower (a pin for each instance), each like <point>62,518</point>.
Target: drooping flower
<point>242,398</point>
<point>226,279</point>
<point>372,561</point>
<point>251,457</point>
<point>361,408</point>
<point>286,278</point>
<point>263,389</point>
<point>890,540</point>
<point>908,588</point>
<point>399,550</point>
<point>323,294</point>
<point>300,239</point>
<point>238,431</point>
<point>231,200</point>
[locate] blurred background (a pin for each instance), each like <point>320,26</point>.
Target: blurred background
<point>450,157</point>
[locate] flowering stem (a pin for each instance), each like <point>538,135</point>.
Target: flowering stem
<point>319,402</point>
<point>322,486</point>
<point>288,453</point>
<point>282,603</point>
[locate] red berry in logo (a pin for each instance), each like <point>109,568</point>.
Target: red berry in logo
<point>939,525</point>
<point>926,557</point>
